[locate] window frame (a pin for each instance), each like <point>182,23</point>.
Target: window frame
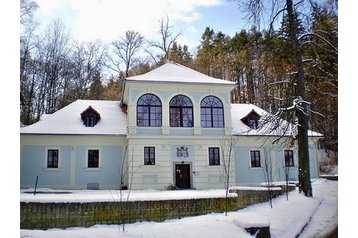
<point>185,112</point>
<point>254,163</point>
<point>149,109</point>
<point>88,158</point>
<point>47,158</point>
<point>149,155</point>
<point>89,121</point>
<point>215,152</point>
<point>253,123</point>
<point>215,112</point>
<point>289,157</point>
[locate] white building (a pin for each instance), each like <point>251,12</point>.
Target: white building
<point>167,130</point>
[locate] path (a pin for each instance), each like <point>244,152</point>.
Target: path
<point>324,222</point>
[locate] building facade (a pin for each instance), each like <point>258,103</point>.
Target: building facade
<point>173,127</point>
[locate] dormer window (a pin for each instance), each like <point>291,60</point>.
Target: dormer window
<point>252,119</point>
<point>89,121</point>
<point>253,123</point>
<point>90,117</point>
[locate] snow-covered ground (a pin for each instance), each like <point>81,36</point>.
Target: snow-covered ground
<point>114,195</point>
<point>286,218</point>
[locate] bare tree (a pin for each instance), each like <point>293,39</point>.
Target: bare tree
<point>286,170</point>
<point>267,169</point>
<point>27,9</point>
<point>227,145</point>
<point>87,60</point>
<point>299,104</point>
<point>52,59</point>
<point>125,171</point>
<point>28,41</point>
<point>167,38</point>
<point>125,50</point>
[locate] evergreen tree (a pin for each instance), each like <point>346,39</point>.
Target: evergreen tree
<point>180,55</point>
<point>96,89</point>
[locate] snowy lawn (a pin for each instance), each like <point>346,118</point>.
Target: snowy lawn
<point>82,196</point>
<point>287,219</point>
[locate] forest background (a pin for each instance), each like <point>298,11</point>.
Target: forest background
<point>56,70</point>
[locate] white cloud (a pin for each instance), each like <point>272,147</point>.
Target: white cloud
<point>192,28</point>
<point>109,19</point>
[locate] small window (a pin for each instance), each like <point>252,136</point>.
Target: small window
<point>214,156</point>
<point>89,121</point>
<point>90,117</point>
<point>289,161</point>
<point>149,155</point>
<point>52,158</point>
<point>255,158</point>
<point>252,119</point>
<point>93,158</point>
<point>253,123</point>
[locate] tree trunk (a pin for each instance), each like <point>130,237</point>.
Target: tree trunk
<point>302,137</point>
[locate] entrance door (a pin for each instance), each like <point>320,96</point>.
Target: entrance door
<point>182,176</point>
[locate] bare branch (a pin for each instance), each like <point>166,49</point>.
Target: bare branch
<point>319,37</point>
<point>126,48</point>
<point>167,38</point>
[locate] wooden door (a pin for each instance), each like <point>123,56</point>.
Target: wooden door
<point>182,176</point>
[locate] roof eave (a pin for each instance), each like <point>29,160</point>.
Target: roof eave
<point>231,84</point>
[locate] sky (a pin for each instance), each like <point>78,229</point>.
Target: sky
<point>108,20</point>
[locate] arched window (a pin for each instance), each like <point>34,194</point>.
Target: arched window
<point>149,110</point>
<point>212,112</point>
<point>181,112</point>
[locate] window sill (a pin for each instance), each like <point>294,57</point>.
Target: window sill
<point>255,168</point>
<point>52,169</point>
<point>92,169</point>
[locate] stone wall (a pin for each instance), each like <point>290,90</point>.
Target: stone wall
<point>250,197</point>
<point>61,215</point>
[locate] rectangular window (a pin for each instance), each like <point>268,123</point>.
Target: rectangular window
<point>93,158</point>
<point>149,155</point>
<point>289,161</point>
<point>253,123</point>
<point>255,158</point>
<point>89,121</point>
<point>52,158</point>
<point>214,156</point>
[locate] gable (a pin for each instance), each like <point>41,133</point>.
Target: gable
<point>173,72</point>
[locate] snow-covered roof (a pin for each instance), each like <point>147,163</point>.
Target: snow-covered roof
<point>114,121</point>
<point>173,72</point>
<point>68,120</point>
<point>239,111</point>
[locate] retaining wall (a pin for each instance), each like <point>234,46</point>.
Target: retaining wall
<point>60,215</point>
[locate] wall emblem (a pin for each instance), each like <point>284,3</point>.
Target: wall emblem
<point>182,152</point>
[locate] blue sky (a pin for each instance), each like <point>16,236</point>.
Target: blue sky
<point>107,20</point>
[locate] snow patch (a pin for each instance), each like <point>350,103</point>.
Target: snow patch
<point>247,220</point>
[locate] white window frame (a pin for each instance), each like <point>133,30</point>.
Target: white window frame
<point>155,155</point>
<point>220,155</point>
<point>261,154</point>
<point>99,159</point>
<point>295,161</point>
<point>58,159</point>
